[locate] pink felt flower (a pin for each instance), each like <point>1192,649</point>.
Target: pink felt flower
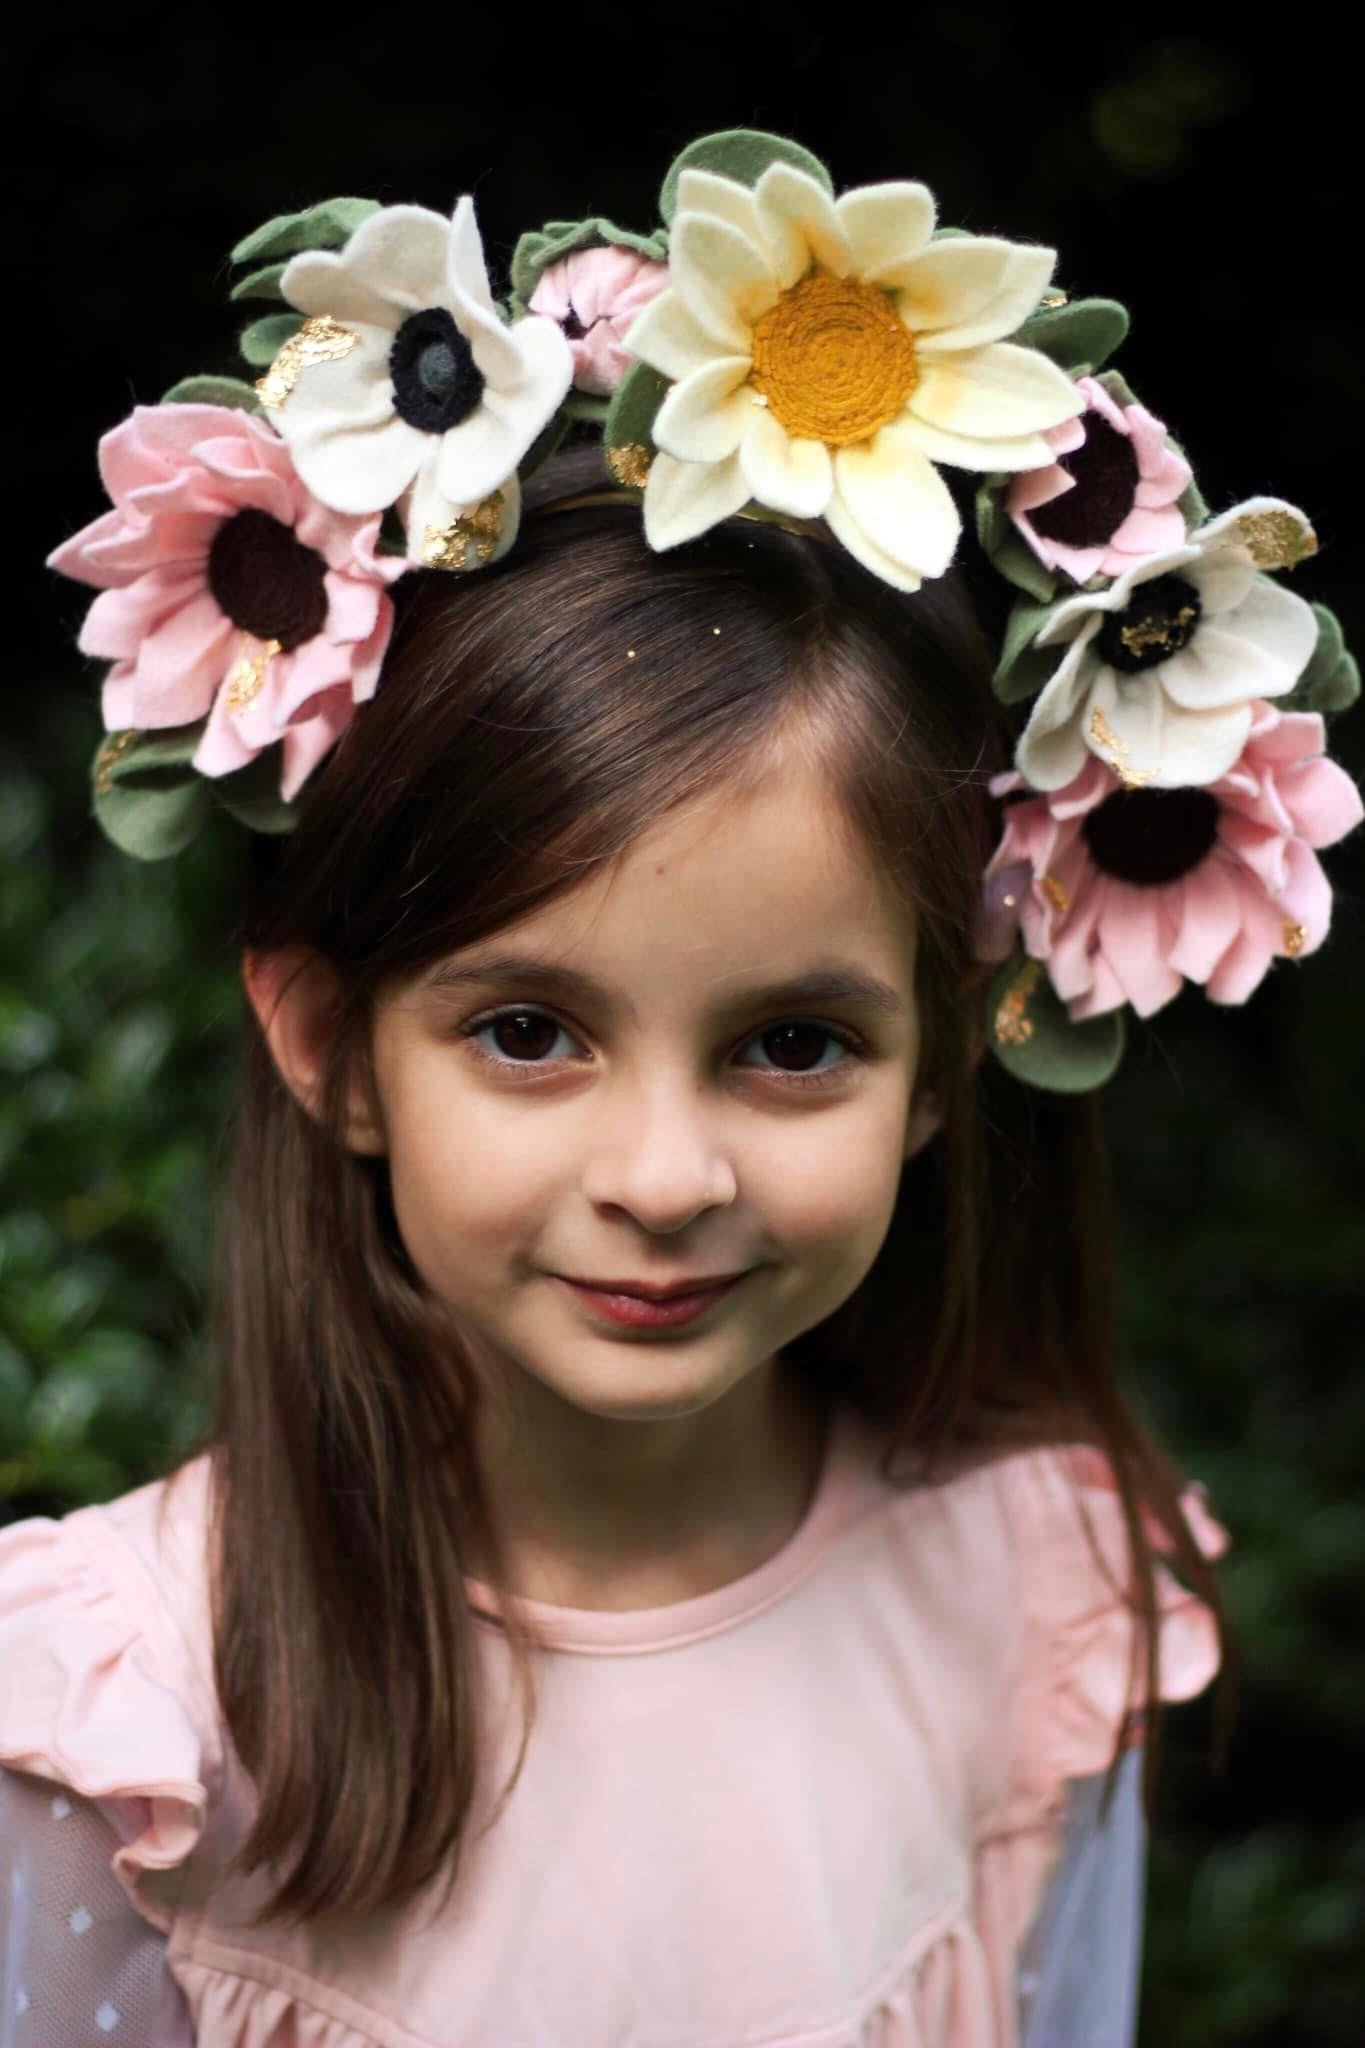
<point>1127,893</point>
<point>1111,496</point>
<point>228,592</point>
<point>595,294</point>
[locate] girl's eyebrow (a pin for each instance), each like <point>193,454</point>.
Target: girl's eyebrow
<point>834,981</point>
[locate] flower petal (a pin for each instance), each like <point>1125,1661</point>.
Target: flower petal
<point>1130,940</point>
<point>1051,750</point>
<point>429,514</point>
<point>684,499</point>
<point>724,199</point>
<point>994,391</point>
<point>396,256</point>
<point>672,341</point>
<point>1210,917</point>
<point>1019,452</point>
<point>466,269</point>
<point>1158,739</point>
<point>885,224</point>
<point>801,225</point>
<point>359,465</point>
<point>1322,799</point>
<point>703,418</point>
<point>889,494</point>
<point>792,476</point>
<point>181,663</point>
<point>968,290</point>
<point>723,279</point>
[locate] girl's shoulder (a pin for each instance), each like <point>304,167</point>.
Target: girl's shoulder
<point>106,1664</point>
<point>1015,1564</point>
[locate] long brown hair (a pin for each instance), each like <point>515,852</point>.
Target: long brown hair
<point>511,748</point>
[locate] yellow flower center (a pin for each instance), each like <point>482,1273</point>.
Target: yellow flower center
<point>833,359</point>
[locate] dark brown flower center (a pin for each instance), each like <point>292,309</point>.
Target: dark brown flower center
<point>1151,836</point>
<point>266,581</point>
<point>1160,618</point>
<point>1105,467</point>
<point>436,381</point>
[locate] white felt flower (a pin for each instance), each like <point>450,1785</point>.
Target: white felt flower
<point>432,401</point>
<point>1163,666</point>
<point>825,354</point>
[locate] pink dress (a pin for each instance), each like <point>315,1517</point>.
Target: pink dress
<point>815,1808</point>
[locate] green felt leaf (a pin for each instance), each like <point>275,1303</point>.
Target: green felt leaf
<point>1190,504</point>
<point>1023,668</point>
<point>252,794</point>
<point>1079,336</point>
<point>743,154</point>
<point>262,341</point>
<point>1118,387</point>
<point>585,405</point>
<point>1031,1033</point>
<point>328,225</point>
<point>261,284</point>
<point>544,445</point>
<point>1331,681</point>
<point>1004,545</point>
<point>540,247</point>
<point>230,391</point>
<point>630,417</point>
<point>146,797</point>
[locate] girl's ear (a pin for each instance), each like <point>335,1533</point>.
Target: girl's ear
<point>924,1121</point>
<point>296,996</point>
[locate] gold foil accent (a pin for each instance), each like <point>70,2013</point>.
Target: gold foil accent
<point>1051,299</point>
<point>1131,778</point>
<point>1156,632</point>
<point>247,675</point>
<point>1294,938</point>
<point>629,464</point>
<point>477,533</point>
<point>1276,539</point>
<point>109,756</point>
<point>834,359</point>
<point>320,340</point>
<point>1013,1025</point>
<point>1055,894</point>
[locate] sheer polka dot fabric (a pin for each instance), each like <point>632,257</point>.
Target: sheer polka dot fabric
<point>79,1968</point>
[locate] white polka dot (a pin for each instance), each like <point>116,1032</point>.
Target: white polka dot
<point>107,2018</point>
<point>21,2001</point>
<point>61,1807</point>
<point>79,1921</point>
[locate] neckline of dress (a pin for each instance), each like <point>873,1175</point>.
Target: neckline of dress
<point>613,1630</point>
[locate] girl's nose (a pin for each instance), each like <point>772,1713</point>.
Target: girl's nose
<point>658,1152</point>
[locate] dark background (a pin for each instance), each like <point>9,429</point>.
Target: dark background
<point>1202,170</point>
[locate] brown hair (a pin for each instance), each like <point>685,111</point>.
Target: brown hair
<point>510,748</point>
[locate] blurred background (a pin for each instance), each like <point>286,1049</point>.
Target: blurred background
<point>1207,176</point>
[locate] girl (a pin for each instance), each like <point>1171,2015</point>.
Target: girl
<point>672,1560</point>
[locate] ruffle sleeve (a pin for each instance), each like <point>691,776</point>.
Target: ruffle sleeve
<point>93,1694</point>
<point>1080,1630</point>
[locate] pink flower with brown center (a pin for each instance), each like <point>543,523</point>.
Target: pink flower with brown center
<point>228,592</point>
<point>1111,495</point>
<point>1127,893</point>
<point>595,294</point>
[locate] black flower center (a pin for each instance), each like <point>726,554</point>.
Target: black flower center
<point>266,581</point>
<point>1151,836</point>
<point>436,382</point>
<point>573,326</point>
<point>1105,467</point>
<point>1159,619</point>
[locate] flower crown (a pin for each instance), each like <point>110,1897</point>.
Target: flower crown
<point>779,353</point>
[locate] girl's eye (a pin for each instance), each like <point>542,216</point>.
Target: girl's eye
<point>524,1039</point>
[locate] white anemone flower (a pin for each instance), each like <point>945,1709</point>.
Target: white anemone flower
<point>1163,668</point>
<point>406,388</point>
<point>825,354</point>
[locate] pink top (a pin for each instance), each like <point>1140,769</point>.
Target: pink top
<point>814,1808</point>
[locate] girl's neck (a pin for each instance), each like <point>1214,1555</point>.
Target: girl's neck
<point>617,1515</point>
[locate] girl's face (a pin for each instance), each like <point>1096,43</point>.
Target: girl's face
<point>645,1094</point>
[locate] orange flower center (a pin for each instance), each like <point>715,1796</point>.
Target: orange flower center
<point>833,359</point>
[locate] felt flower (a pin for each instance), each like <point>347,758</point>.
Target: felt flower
<point>406,388</point>
<point>1110,495</point>
<point>594,295</point>
<point>827,354</point>
<point>228,592</point>
<point>1127,893</point>
<point>1162,666</point>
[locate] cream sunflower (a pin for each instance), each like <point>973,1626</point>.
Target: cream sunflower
<point>825,354</point>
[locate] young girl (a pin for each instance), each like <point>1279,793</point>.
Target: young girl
<point>673,1561</point>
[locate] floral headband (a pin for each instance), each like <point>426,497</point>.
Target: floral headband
<point>779,353</point>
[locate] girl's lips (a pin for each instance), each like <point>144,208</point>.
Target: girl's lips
<point>644,1314</point>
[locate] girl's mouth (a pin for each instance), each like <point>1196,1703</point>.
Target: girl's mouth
<point>645,1314</point>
